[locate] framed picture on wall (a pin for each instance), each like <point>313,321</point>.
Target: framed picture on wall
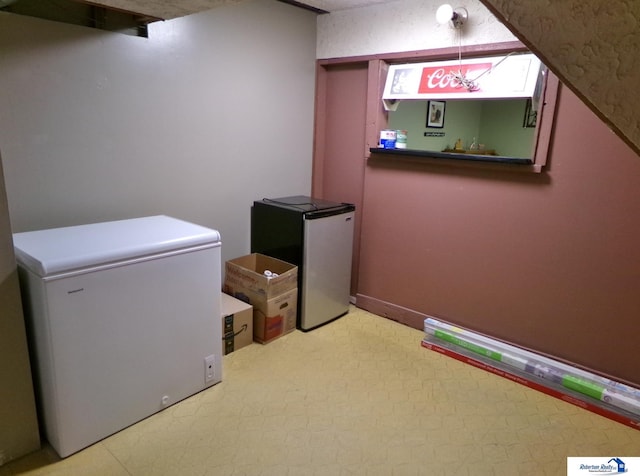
<point>530,116</point>
<point>435,113</point>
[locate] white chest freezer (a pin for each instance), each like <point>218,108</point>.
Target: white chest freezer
<point>123,320</point>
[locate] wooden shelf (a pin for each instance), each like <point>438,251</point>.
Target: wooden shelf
<point>473,152</point>
<point>495,162</point>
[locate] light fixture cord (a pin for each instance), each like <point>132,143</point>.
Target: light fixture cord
<point>471,84</point>
<point>493,67</point>
<point>468,84</point>
<point>459,35</point>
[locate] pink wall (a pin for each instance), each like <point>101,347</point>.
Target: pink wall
<point>547,261</point>
<point>339,135</point>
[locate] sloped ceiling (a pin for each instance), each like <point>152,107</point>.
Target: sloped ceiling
<point>593,47</point>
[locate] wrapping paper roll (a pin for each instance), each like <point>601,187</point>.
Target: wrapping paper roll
<point>578,380</point>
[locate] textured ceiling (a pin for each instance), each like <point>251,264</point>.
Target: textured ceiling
<point>336,5</point>
<point>162,9</point>
<point>166,10</point>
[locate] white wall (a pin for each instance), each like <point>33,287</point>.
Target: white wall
<point>213,111</point>
<point>404,25</point>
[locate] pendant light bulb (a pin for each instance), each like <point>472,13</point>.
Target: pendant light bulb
<point>444,14</point>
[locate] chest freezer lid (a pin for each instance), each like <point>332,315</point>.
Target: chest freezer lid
<point>57,250</point>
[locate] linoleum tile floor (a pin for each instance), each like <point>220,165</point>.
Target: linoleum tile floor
<point>358,396</point>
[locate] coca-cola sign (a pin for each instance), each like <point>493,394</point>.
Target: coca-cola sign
<point>511,76</point>
<point>447,79</point>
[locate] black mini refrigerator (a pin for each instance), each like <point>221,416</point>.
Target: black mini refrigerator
<point>317,236</point>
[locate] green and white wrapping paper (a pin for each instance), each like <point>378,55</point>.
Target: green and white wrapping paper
<point>578,380</point>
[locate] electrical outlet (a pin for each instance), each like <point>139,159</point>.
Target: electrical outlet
<point>209,369</point>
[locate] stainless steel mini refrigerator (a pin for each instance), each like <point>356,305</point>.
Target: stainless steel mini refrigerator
<point>317,236</point>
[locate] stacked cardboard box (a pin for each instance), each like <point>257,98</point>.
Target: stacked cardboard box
<point>237,324</point>
<point>274,298</point>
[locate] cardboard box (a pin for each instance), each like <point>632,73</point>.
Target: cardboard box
<point>245,279</point>
<point>237,324</point>
<point>275,317</point>
<point>274,300</point>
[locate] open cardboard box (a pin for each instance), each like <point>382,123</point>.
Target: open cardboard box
<point>274,299</point>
